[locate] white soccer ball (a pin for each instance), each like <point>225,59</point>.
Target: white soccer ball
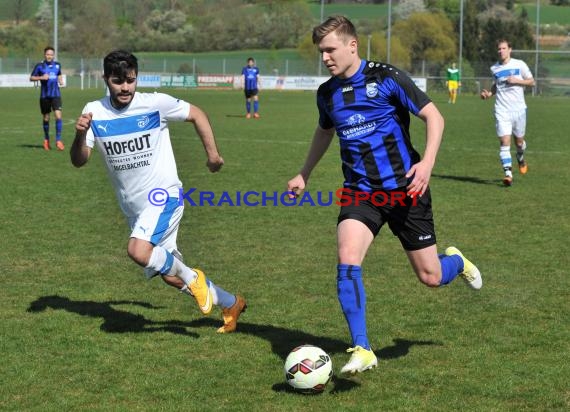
<point>308,369</point>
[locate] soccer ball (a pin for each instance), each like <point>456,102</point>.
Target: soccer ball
<point>308,369</point>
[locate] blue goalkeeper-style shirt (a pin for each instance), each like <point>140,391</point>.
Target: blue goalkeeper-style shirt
<point>50,87</point>
<point>371,114</point>
<point>250,75</point>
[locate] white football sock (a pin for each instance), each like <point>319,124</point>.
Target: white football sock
<point>165,263</point>
<point>221,297</point>
<point>506,160</point>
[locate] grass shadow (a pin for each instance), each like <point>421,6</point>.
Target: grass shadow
<point>401,347</point>
<point>114,320</point>
<point>31,146</point>
<point>469,179</point>
<point>282,340</point>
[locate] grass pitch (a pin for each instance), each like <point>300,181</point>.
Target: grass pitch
<point>82,330</point>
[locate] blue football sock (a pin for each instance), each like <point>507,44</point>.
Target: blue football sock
<point>255,106</point>
<point>451,266</point>
<point>352,298</point>
<point>46,129</point>
<point>248,106</point>
<point>58,128</point>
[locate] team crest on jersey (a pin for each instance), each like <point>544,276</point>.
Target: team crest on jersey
<point>143,121</point>
<point>371,90</point>
<point>356,119</point>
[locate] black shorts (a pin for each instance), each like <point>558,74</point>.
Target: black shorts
<point>47,104</point>
<point>250,93</point>
<point>411,219</point>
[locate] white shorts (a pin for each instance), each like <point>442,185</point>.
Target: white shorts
<point>511,123</point>
<point>159,224</point>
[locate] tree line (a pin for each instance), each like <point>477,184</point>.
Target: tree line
<point>421,30</point>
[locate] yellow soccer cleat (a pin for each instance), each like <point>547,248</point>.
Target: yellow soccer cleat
<point>231,315</point>
<point>470,273</point>
<point>361,360</point>
<point>201,292</point>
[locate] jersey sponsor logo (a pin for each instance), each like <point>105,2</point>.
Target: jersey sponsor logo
<point>371,90</point>
<point>358,127</point>
<point>114,148</point>
<point>131,166</point>
<point>347,89</point>
<point>356,119</point>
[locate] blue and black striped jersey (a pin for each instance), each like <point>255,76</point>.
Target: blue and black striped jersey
<point>371,114</point>
<point>50,87</point>
<point>250,75</point>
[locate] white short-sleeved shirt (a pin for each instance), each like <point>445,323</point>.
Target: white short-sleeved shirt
<point>510,97</point>
<point>135,146</point>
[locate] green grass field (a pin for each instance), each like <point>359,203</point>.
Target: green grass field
<point>83,330</point>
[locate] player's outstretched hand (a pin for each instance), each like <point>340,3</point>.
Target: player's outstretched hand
<point>215,164</point>
<point>296,186</point>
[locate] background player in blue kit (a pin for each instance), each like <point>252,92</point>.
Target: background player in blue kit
<point>48,73</point>
<point>368,104</point>
<point>126,126</point>
<point>250,84</point>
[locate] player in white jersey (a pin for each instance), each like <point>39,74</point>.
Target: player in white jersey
<point>130,130</point>
<point>510,78</point>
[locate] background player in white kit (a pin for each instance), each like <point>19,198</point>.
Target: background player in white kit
<point>131,132</point>
<point>510,78</point>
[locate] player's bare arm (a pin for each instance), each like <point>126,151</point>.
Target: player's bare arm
<point>204,129</point>
<point>80,152</point>
<point>421,171</point>
<point>321,142</point>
